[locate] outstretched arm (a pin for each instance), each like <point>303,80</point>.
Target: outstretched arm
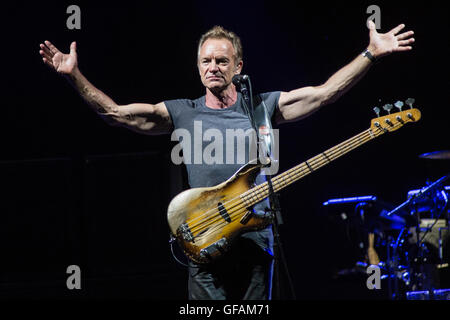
<point>300,103</point>
<point>139,117</point>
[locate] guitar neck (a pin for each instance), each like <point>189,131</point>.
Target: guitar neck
<point>296,173</point>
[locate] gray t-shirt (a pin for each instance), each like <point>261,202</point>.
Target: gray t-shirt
<point>214,151</point>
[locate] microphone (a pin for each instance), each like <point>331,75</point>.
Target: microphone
<point>239,79</point>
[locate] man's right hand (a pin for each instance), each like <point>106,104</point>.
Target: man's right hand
<point>58,61</point>
<point>140,117</point>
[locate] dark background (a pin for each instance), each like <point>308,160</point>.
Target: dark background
<point>76,191</point>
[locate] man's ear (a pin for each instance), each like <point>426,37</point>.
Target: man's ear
<point>238,68</point>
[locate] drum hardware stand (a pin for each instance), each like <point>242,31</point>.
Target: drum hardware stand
<point>421,256</point>
<point>393,266</point>
<point>421,247</point>
<point>424,190</point>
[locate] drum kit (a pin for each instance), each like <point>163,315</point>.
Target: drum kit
<point>410,242</point>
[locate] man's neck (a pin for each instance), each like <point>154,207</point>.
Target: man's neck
<point>221,99</point>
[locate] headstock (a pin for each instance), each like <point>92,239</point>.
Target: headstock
<point>394,121</point>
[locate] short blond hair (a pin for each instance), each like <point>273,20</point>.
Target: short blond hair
<point>218,32</point>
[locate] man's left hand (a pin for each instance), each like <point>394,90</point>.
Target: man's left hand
<point>382,44</point>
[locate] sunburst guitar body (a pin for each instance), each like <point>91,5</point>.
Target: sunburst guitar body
<point>207,220</point>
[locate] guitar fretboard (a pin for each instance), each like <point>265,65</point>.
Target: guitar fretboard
<point>292,175</point>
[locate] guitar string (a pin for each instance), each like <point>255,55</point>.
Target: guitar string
<point>331,152</point>
<point>262,188</point>
<point>320,164</point>
<point>279,179</point>
<point>296,175</point>
<point>237,213</point>
<point>264,185</point>
<point>291,174</point>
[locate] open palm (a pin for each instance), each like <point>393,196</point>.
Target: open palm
<point>55,59</point>
<point>382,44</point>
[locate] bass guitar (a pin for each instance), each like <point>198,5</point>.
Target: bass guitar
<point>205,221</point>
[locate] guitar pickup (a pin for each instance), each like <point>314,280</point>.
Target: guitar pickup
<point>246,217</point>
<point>223,212</point>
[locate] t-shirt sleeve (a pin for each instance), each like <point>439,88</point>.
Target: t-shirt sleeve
<point>271,100</point>
<point>176,109</point>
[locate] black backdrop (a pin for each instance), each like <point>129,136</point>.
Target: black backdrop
<point>76,191</point>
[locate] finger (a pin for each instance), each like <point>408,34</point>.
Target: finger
<point>405,42</point>
<point>46,50</point>
<point>397,29</point>
<point>371,25</point>
<point>405,35</point>
<point>403,48</point>
<point>48,62</point>
<point>73,48</point>
<point>45,55</point>
<point>52,48</point>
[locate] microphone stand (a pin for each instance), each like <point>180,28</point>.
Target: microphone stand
<point>248,105</point>
<point>275,208</point>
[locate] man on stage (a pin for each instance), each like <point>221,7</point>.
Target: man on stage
<point>245,272</point>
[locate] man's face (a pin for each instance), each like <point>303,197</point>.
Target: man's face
<point>217,65</point>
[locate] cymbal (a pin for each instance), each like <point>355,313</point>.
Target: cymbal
<point>444,154</point>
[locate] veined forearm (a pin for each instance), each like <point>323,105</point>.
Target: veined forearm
<point>95,98</point>
<point>139,117</point>
<point>344,79</point>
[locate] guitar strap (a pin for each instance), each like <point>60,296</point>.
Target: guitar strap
<point>264,130</point>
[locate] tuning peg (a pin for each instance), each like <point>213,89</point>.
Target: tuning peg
<point>388,107</point>
<point>377,111</point>
<point>410,102</point>
<point>399,105</point>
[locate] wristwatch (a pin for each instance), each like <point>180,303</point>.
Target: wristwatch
<point>366,53</point>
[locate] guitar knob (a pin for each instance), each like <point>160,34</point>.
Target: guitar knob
<point>388,107</point>
<point>377,111</point>
<point>399,105</point>
<point>410,102</point>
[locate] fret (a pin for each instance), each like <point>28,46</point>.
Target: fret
<point>326,157</point>
<point>309,167</point>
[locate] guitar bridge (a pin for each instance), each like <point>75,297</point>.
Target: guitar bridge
<point>185,232</point>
